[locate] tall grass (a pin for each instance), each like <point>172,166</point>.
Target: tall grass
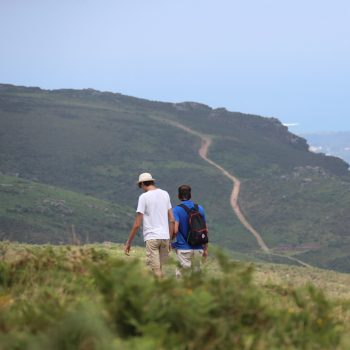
<point>90,298</point>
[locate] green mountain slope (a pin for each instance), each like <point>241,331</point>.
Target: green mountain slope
<point>97,143</point>
<point>36,213</point>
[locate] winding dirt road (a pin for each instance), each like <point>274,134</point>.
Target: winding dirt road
<point>203,153</point>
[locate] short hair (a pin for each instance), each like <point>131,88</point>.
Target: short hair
<point>185,192</point>
<point>146,183</point>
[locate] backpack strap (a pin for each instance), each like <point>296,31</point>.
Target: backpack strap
<point>187,209</point>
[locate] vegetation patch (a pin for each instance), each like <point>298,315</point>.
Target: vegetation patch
<point>89,297</point>
<point>37,213</point>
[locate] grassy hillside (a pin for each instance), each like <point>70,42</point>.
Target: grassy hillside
<point>97,143</point>
<point>36,213</point>
<point>90,297</point>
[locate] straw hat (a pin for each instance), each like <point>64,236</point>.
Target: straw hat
<point>145,177</point>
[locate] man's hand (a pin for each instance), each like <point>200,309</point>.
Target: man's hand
<point>135,227</point>
<point>127,247</point>
<point>205,254</point>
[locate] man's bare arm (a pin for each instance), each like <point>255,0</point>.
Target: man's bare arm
<point>205,250</point>
<point>171,224</point>
<point>176,229</point>
<point>136,226</point>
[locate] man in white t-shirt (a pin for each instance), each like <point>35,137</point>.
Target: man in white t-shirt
<point>154,210</point>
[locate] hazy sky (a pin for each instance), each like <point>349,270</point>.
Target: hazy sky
<point>284,58</point>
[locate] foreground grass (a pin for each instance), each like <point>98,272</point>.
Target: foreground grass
<point>93,297</point>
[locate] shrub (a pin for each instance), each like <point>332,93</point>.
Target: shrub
<point>221,311</point>
<point>81,298</point>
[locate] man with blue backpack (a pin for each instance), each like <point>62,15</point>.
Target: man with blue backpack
<point>191,231</point>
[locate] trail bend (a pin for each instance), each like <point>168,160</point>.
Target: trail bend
<point>203,153</point>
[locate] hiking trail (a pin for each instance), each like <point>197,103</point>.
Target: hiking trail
<point>203,153</point>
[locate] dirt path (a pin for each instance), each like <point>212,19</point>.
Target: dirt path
<point>203,153</point>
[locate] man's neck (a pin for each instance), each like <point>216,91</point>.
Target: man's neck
<point>150,188</point>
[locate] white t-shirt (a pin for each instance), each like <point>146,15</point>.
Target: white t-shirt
<point>154,206</point>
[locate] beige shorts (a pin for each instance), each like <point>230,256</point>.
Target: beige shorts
<point>157,252</point>
<point>189,258</point>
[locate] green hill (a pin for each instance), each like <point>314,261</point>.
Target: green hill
<point>96,143</point>
<point>35,213</point>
